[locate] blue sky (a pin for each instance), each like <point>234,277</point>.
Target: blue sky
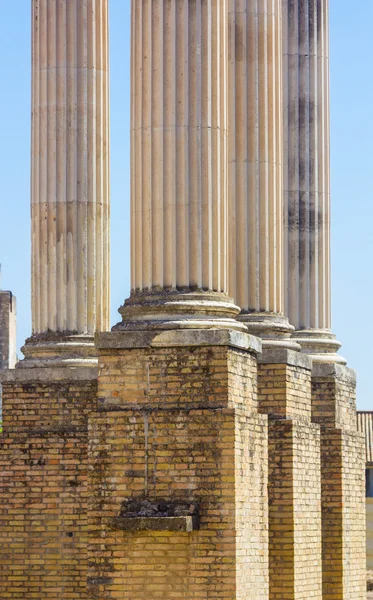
<point>351,26</point>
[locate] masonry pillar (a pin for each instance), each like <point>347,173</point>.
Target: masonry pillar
<point>294,478</point>
<point>178,167</point>
<point>342,482</point>
<point>69,180</point>
<point>256,264</point>
<point>307,176</point>
<point>178,468</point>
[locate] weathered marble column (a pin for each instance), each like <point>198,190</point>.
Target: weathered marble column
<point>307,176</point>
<point>70,180</point>
<point>255,169</point>
<point>179,153</point>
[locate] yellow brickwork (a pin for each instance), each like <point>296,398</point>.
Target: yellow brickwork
<point>342,482</point>
<point>205,428</point>
<point>179,424</point>
<point>43,489</point>
<point>284,393</point>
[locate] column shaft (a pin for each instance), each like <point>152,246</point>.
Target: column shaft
<point>178,145</point>
<point>307,175</point>
<point>70,166</point>
<point>178,162</point>
<point>255,156</point>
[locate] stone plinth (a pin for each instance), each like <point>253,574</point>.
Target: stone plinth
<point>294,487</point>
<point>178,424</point>
<point>342,482</point>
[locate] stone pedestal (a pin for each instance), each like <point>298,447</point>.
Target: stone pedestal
<point>69,181</point>
<point>178,463</point>
<point>307,176</point>
<point>342,482</point>
<point>294,490</point>
<point>255,161</point>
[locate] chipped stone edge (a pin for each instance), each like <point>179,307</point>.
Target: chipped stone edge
<point>334,371</point>
<point>179,338</point>
<point>48,374</point>
<point>283,356</point>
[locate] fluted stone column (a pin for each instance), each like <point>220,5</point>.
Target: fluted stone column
<point>178,177</point>
<point>255,168</point>
<point>70,180</point>
<point>307,176</point>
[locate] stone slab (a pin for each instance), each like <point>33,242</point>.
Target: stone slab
<point>283,356</point>
<point>179,337</point>
<point>332,370</point>
<point>49,374</point>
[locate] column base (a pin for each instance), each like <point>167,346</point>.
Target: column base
<point>320,344</point>
<point>53,349</point>
<point>274,329</point>
<point>178,309</point>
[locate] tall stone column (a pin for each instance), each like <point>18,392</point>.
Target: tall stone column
<point>69,180</point>
<point>307,176</point>
<point>178,177</point>
<point>255,169</point>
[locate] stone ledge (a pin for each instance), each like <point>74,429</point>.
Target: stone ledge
<point>178,338</point>
<point>184,523</point>
<point>333,371</point>
<point>283,356</point>
<point>48,374</point>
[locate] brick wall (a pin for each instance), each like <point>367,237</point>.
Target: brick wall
<point>43,487</point>
<point>202,427</point>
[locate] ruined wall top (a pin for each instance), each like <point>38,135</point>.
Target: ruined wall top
<point>8,346</point>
